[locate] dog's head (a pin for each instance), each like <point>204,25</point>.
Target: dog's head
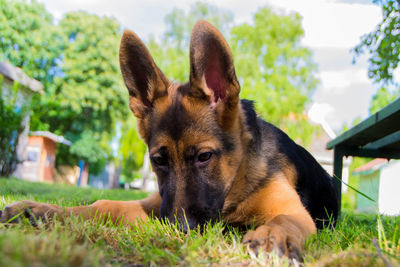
<point>193,130</point>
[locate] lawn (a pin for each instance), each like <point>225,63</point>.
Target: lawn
<point>358,239</point>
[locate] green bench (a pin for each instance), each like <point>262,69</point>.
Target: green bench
<point>378,136</point>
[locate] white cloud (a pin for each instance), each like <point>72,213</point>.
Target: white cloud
<point>337,81</point>
<point>330,24</point>
<point>338,59</point>
<point>348,102</point>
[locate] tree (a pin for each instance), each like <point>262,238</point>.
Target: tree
<point>383,46</point>
<point>275,70</point>
<point>382,98</point>
<point>77,62</point>
<point>89,95</point>
<point>171,53</point>
<point>29,39</point>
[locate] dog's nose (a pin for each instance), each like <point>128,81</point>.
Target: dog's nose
<point>187,224</point>
<point>184,222</point>
<point>184,227</point>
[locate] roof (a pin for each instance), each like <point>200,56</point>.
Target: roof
<point>372,165</point>
<point>17,74</point>
<point>54,137</point>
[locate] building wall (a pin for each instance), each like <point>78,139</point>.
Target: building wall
<point>40,159</point>
<point>369,185</point>
<point>48,160</point>
<point>31,166</point>
<point>389,197</point>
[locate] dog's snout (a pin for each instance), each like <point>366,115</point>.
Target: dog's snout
<point>184,222</point>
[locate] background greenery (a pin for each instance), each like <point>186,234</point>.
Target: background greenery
<point>76,59</point>
<point>11,126</point>
<point>383,48</point>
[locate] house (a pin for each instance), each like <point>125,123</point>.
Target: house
<point>39,163</point>
<point>28,86</point>
<point>379,180</point>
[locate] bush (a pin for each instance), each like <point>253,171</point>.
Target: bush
<point>88,149</point>
<point>11,126</point>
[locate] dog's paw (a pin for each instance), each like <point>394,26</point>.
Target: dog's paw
<point>31,210</point>
<point>275,237</point>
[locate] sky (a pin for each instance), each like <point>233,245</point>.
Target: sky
<point>332,28</point>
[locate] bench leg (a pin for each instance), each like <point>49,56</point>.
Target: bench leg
<point>337,172</point>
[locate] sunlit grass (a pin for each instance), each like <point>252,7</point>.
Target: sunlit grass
<point>367,240</point>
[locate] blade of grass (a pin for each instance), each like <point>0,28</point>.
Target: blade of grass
<point>359,192</point>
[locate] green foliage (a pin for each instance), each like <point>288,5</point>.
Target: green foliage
<point>87,148</point>
<point>91,88</point>
<point>172,52</point>
<point>383,44</point>
<point>275,70</point>
<point>179,24</point>
<point>89,97</point>
<point>382,98</point>
<point>77,62</point>
<point>132,150</point>
<point>11,126</point>
<point>29,39</point>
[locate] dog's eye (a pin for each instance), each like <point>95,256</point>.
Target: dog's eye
<point>160,160</point>
<point>203,157</point>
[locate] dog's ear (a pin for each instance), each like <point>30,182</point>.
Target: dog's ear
<point>212,73</point>
<point>144,80</point>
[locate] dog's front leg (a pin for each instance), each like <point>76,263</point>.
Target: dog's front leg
<point>118,211</point>
<point>287,222</point>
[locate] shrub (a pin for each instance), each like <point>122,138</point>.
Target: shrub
<point>11,127</point>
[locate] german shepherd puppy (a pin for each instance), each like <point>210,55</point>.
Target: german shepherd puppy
<point>213,156</point>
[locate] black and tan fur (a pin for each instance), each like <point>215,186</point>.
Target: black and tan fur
<point>213,156</point>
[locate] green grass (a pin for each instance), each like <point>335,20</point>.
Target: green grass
<point>358,239</point>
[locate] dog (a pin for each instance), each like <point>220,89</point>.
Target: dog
<point>214,158</point>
